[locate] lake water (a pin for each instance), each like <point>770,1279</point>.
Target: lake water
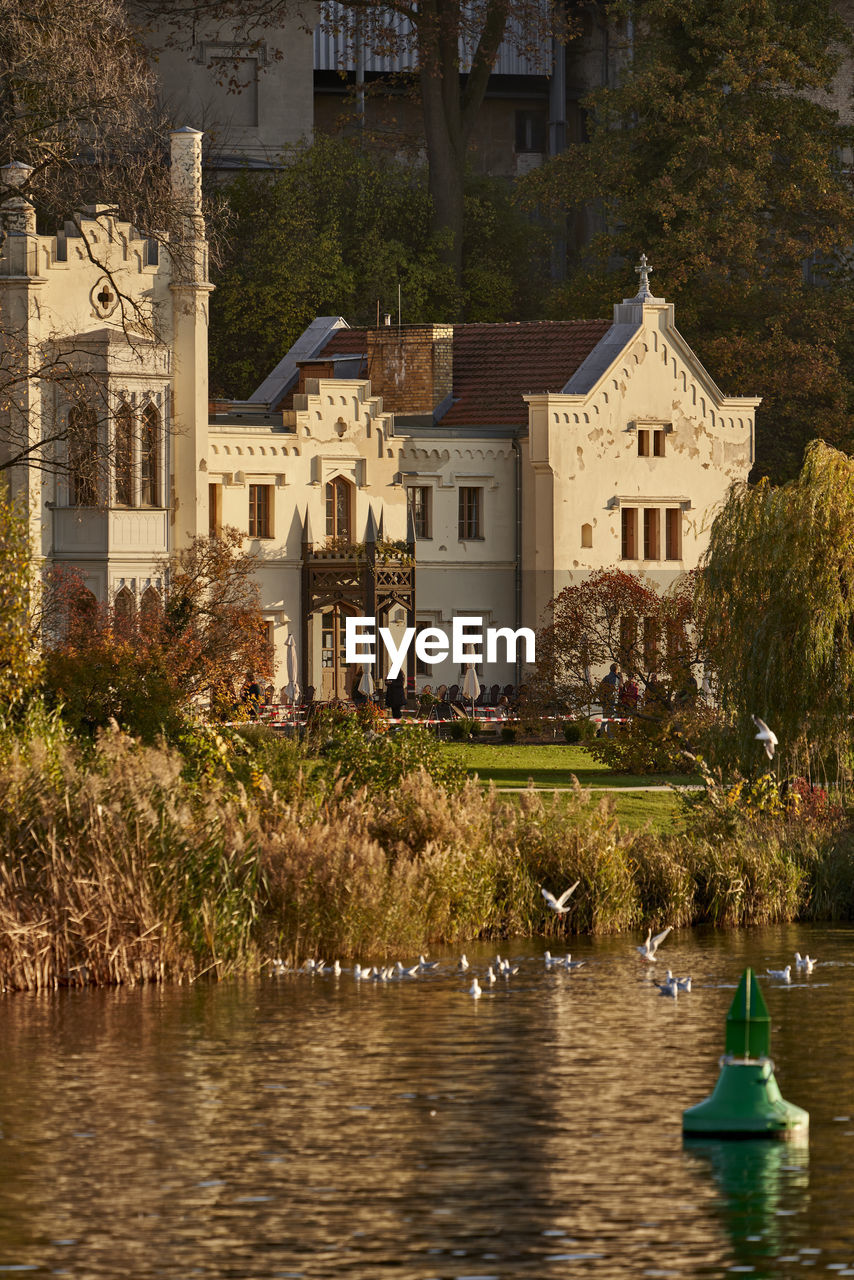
<point>313,1127</point>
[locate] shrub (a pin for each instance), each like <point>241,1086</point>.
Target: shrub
<point>580,730</point>
<point>640,746</point>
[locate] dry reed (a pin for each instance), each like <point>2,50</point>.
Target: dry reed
<point>115,868</point>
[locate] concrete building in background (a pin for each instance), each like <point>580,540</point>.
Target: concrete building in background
<point>416,474</point>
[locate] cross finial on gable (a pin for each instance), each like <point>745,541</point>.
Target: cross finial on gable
<point>643,269</point>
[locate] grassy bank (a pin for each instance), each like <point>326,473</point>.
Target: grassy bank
<point>512,765</point>
<point>556,766</point>
<point>123,864</point>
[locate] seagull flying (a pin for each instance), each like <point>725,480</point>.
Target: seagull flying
<point>766,736</point>
<point>649,948</point>
<point>559,904</point>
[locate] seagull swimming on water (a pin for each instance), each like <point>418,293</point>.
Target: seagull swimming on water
<point>649,948</point>
<point>474,989</point>
<point>804,962</point>
<point>785,975</point>
<point>558,905</point>
<point>766,736</point>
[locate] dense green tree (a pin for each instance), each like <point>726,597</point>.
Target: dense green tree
<point>335,232</point>
<point>716,155</point>
<point>437,39</point>
<point>778,594</point>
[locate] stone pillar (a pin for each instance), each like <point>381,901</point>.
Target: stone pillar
<point>190,302</point>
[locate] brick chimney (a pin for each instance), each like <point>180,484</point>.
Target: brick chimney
<point>411,366</point>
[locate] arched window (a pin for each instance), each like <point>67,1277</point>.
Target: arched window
<point>150,605</point>
<point>149,457</point>
<point>587,535</point>
<point>83,456</point>
<point>124,607</point>
<point>124,456</point>
<point>338,507</point>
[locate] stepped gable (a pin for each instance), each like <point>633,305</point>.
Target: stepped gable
<point>496,364</point>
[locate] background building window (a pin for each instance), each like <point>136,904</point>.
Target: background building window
<point>338,510</point>
<point>651,523</point>
<point>471,514</point>
<point>149,457</point>
<point>531,131</point>
<point>259,511</point>
<point>630,533</point>
<point>419,501</point>
<point>673,534</point>
<point>124,456</point>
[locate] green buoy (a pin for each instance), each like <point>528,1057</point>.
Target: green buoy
<point>746,1101</point>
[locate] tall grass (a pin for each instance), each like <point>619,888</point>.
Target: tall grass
<point>120,865</point>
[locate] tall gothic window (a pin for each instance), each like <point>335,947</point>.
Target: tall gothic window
<point>149,457</point>
<point>83,456</point>
<point>338,510</point>
<point>124,456</point>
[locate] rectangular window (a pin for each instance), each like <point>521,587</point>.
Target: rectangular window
<point>650,644</point>
<point>259,511</point>
<point>531,131</point>
<point>628,642</point>
<point>630,533</point>
<point>651,522</point>
<point>421,668</point>
<point>673,533</point>
<point>419,502</point>
<point>471,514</point>
<point>655,439</point>
<point>214,510</point>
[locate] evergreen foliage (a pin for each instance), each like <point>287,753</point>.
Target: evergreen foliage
<point>716,155</point>
<point>335,232</point>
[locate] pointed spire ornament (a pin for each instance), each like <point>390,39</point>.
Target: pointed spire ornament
<point>643,269</point>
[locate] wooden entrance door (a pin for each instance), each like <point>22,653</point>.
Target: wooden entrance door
<point>335,675</point>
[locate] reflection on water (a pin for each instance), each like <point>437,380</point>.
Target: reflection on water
<point>758,1180</point>
<point>314,1127</point>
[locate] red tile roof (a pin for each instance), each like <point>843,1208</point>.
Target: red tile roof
<point>496,364</point>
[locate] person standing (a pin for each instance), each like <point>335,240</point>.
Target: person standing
<point>609,690</point>
<point>395,695</point>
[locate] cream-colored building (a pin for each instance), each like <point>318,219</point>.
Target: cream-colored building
<point>418,474</point>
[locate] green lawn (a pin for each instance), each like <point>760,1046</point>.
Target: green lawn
<point>553,766</point>
<point>509,765</point>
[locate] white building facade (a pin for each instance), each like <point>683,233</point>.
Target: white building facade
<point>419,474</point>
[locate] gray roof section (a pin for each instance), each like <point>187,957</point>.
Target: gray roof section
<point>601,358</point>
<point>307,345</point>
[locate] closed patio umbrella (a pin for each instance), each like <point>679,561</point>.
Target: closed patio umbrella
<point>471,686</point>
<point>292,687</point>
<point>366,684</point>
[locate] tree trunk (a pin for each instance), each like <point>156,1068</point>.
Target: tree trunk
<point>451,106</point>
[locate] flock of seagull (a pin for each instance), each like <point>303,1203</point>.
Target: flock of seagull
<point>670,987</point>
<point>502,968</point>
